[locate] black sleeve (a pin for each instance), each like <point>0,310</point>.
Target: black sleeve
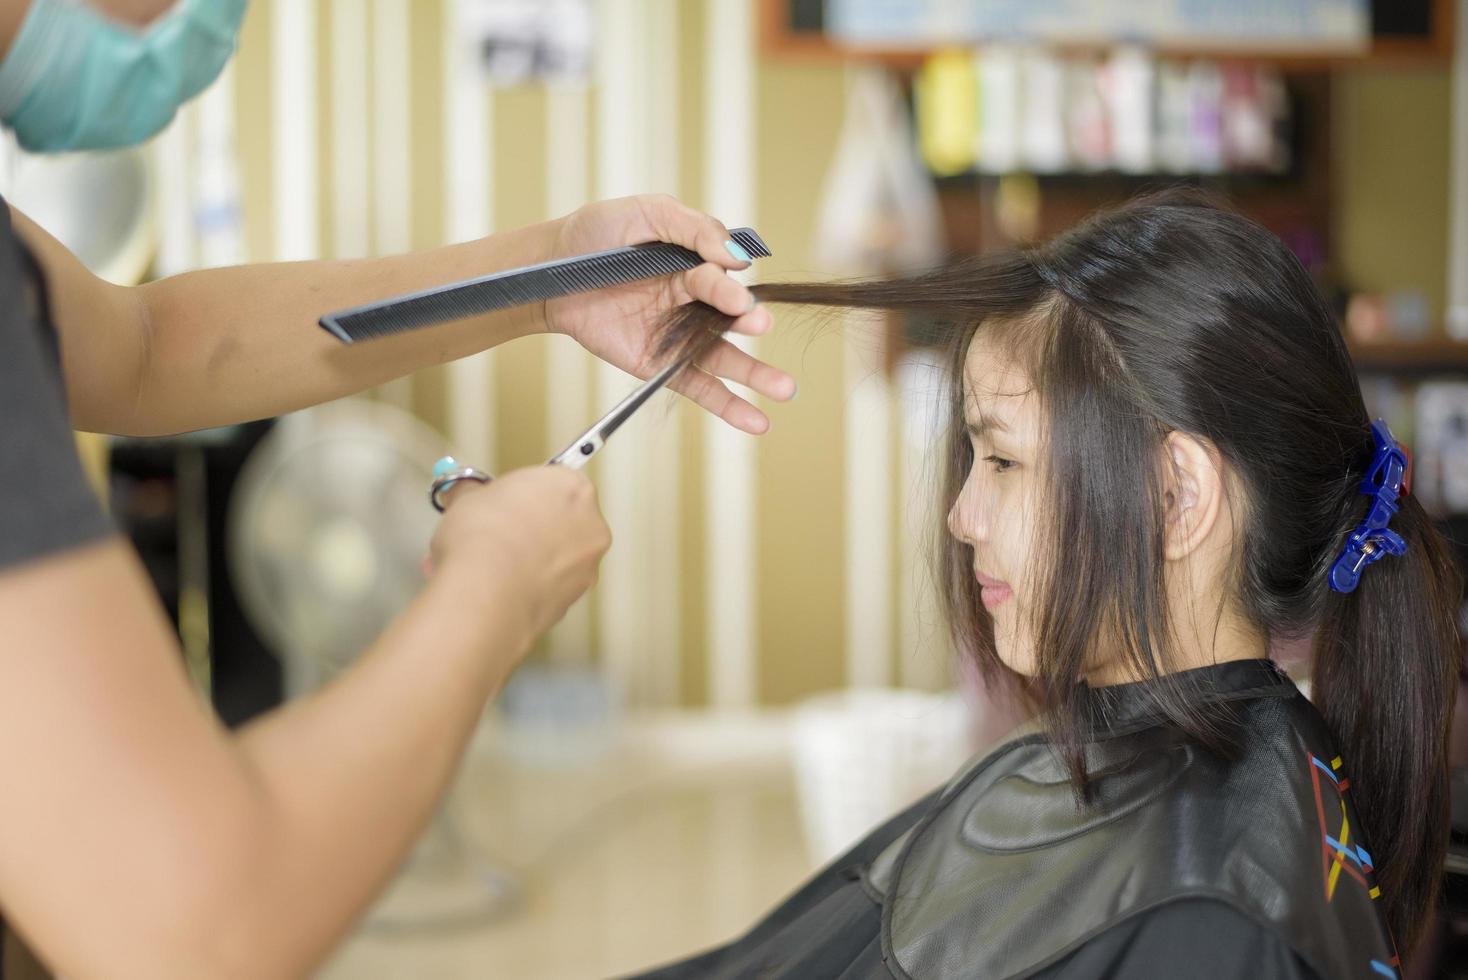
<point>1201,939</point>
<point>46,504</point>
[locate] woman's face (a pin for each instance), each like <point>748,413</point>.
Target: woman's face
<point>996,510</point>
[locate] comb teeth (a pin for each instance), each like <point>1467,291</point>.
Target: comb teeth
<point>516,287</point>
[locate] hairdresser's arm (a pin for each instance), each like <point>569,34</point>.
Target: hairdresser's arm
<point>227,345</point>
<point>140,839</point>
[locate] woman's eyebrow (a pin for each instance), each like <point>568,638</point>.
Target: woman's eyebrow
<point>980,424</point>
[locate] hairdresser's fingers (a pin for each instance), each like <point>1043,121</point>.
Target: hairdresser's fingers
<point>710,284</point>
<point>727,361</point>
<point>673,221</point>
<point>754,323</point>
<point>757,321</point>
<point>709,392</point>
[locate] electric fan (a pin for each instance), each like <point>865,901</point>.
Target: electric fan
<point>327,527</point>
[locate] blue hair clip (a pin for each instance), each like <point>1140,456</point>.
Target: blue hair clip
<point>1372,538</point>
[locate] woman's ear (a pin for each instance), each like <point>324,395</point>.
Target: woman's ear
<point>1193,493</point>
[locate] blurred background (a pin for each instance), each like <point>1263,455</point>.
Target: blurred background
<point>761,674</point>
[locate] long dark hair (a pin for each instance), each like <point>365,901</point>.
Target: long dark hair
<point>1175,314</point>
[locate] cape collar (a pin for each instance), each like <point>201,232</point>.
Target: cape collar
<point>1117,709</point>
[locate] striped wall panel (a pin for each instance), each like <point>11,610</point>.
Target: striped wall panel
<point>744,571</point>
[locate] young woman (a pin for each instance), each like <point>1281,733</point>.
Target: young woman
<point>1160,465</point>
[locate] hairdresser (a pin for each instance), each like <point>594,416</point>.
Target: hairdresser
<point>138,838</point>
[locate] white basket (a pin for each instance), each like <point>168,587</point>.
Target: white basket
<point>861,755</point>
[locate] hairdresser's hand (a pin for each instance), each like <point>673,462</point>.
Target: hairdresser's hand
<point>617,324</point>
<point>532,539</point>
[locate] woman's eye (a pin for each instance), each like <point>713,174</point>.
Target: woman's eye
<point>1000,464</point>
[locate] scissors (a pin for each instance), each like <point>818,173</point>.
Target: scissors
<point>449,471</point>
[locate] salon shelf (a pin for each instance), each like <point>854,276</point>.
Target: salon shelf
<point>1418,357</point>
<point>1125,183</point>
<point>791,30</point>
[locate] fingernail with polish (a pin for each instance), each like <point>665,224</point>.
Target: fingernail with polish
<point>737,250</point>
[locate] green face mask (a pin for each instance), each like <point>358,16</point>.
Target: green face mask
<point>75,80</point>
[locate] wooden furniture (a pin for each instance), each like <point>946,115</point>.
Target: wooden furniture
<point>1403,32</point>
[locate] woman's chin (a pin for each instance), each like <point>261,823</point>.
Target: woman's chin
<point>1019,658</point>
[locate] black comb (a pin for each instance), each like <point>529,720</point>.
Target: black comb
<point>529,284</point>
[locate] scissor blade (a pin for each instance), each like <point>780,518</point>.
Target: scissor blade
<point>614,419</point>
<point>578,453</point>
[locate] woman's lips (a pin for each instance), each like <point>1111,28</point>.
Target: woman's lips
<point>992,591</point>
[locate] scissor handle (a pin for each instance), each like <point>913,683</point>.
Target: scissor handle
<point>447,472</point>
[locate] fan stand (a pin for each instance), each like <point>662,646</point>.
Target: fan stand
<point>445,884</point>
<point>322,567</point>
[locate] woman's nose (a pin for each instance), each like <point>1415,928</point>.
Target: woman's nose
<point>964,520</point>
<point>954,527</point>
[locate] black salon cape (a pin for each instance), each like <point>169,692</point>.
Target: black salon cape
<point>1281,926</point>
<point>46,505</point>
